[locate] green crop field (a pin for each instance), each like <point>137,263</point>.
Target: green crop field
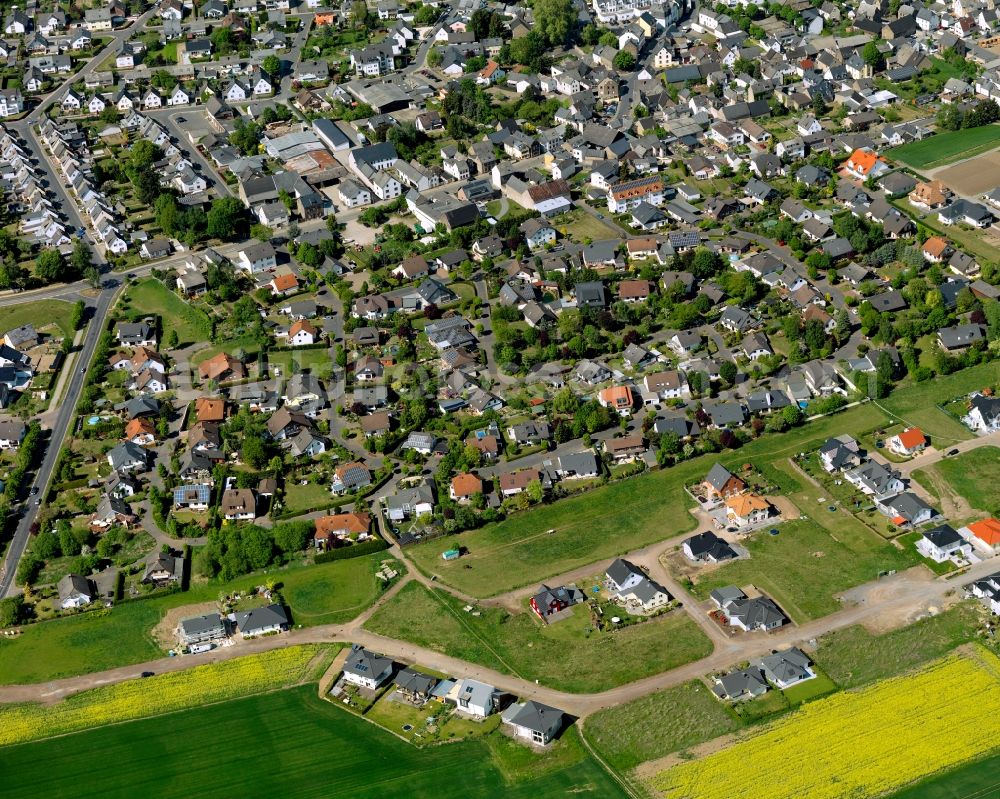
<point>974,476</point>
<point>563,655</point>
<point>150,296</point>
<point>40,313</point>
<point>812,559</point>
<point>329,593</point>
<point>288,744</point>
<point>977,780</point>
<point>944,148</point>
<point>608,521</point>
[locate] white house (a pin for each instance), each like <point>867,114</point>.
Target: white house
<point>473,698</point>
<point>366,669</point>
<point>944,543</point>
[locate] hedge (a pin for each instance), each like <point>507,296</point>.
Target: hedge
<point>369,547</point>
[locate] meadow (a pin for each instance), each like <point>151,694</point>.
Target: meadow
<point>564,655</point>
<point>289,744</point>
<point>974,476</point>
<point>607,521</point>
<point>40,313</point>
<point>908,728</point>
<point>812,559</point>
<point>150,296</point>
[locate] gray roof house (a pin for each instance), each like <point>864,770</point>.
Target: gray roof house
<point>367,669</point>
<point>202,629</point>
<point>128,457</point>
<point>740,685</point>
<point>75,591</point>
<point>787,668</point>
<point>533,721</point>
<point>260,621</point>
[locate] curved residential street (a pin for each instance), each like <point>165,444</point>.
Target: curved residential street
<point>895,600</point>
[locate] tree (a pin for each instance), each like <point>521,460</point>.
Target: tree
<point>12,611</point>
<point>792,415</point>
<point>92,275</point>
<point>554,19</point>
<point>76,318</point>
<point>254,452</point>
<point>624,61</point>
<point>727,371</point>
<point>171,340</point>
<point>359,14</point>
<point>434,57</point>
<point>226,219</point>
<point>873,56</point>
<point>591,34</point>
<point>261,232</point>
<point>271,65</point>
<point>50,266</point>
<point>80,258</point>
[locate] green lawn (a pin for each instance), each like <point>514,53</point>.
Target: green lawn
<point>853,656</point>
<point>325,594</point>
<point>40,313</point>
<point>248,344</point>
<point>608,521</point>
<point>150,296</point>
<point>918,404</point>
<point>579,225</point>
<point>658,724</point>
<point>316,361</point>
<point>977,780</point>
<point>332,593</point>
<point>563,655</point>
<point>975,476</point>
<point>812,559</point>
<point>944,148</point>
<point>289,744</point>
<point>303,498</point>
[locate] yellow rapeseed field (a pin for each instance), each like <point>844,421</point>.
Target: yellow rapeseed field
<point>159,694</point>
<point>858,744</point>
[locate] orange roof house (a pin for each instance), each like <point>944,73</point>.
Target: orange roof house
<point>222,365</point>
<point>464,486</point>
<point>935,248</point>
<point>929,195</point>
<point>907,442</point>
<point>865,163</point>
<point>282,284</point>
<point>340,525</point>
<point>210,409</point>
<point>618,398</point>
<point>988,531</point>
<point>140,430</point>
<point>324,18</point>
<point>747,509</point>
<point>303,326</point>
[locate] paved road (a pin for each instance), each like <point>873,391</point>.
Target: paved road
<point>168,117</point>
<point>60,427</point>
